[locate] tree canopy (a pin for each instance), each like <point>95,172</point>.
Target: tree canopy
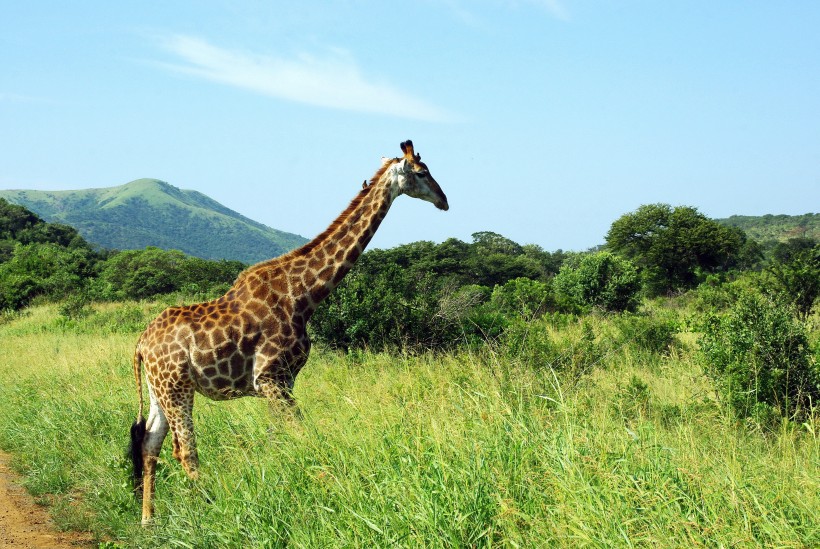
<point>675,247</point>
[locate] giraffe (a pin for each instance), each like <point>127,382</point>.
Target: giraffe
<point>252,341</point>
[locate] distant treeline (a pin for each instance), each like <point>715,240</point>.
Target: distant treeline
<point>51,261</point>
<point>769,230</point>
<point>424,294</point>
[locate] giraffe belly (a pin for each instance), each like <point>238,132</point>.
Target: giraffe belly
<point>225,379</point>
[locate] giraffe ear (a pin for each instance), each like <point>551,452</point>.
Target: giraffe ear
<point>407,149</point>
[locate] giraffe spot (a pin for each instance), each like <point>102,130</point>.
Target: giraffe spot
<point>279,286</point>
<point>338,277</point>
<point>309,279</point>
<point>316,261</point>
<point>260,293</point>
<point>340,256</point>
<point>346,242</point>
<point>321,292</point>
<point>209,324</point>
<point>248,344</point>
<point>302,305</point>
<point>222,383</point>
<point>237,366</point>
<point>253,312</point>
<point>224,368</point>
<point>267,349</point>
<point>298,323</point>
<point>270,325</point>
<point>226,350</point>
<point>325,274</point>
<point>202,357</point>
<point>209,372</point>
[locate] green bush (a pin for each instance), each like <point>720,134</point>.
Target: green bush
<point>759,355</point>
<point>600,281</point>
<point>644,332</point>
<point>539,344</point>
<point>522,297</point>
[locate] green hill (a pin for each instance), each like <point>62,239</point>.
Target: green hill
<point>149,212</point>
<point>776,228</point>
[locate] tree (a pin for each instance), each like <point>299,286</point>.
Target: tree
<point>599,280</point>
<point>43,270</point>
<point>674,247</point>
<point>798,278</point>
<point>14,219</point>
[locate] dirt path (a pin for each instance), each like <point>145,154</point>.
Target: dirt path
<point>23,523</point>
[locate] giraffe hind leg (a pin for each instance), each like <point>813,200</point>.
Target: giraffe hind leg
<point>156,429</point>
<point>178,405</point>
<point>135,452</point>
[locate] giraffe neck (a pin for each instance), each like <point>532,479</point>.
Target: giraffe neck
<point>308,274</point>
<point>316,268</point>
<point>333,253</point>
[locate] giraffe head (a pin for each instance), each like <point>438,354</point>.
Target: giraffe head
<point>412,177</point>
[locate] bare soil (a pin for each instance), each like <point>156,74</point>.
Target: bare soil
<point>23,523</point>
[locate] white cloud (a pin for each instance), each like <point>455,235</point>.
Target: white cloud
<point>334,81</point>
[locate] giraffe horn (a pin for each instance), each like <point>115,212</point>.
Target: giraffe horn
<point>407,149</point>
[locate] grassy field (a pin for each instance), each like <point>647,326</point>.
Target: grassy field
<point>471,449</point>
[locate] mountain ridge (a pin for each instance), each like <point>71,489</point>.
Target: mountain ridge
<point>152,212</point>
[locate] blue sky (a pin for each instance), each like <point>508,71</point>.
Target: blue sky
<point>543,120</point>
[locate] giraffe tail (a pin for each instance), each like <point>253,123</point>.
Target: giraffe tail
<point>138,428</point>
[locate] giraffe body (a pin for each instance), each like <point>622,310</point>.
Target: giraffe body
<point>252,341</point>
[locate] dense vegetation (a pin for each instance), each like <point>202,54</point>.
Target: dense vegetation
<point>51,261</point>
<point>148,212</point>
<point>660,391</point>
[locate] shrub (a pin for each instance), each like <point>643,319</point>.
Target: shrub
<point>539,344</point>
<point>598,281</point>
<point>644,332</point>
<point>522,297</point>
<point>394,308</point>
<point>75,306</point>
<point>759,355</point>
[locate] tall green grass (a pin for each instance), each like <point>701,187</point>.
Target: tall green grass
<point>491,448</point>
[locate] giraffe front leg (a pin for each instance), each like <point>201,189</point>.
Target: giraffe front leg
<point>279,395</point>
